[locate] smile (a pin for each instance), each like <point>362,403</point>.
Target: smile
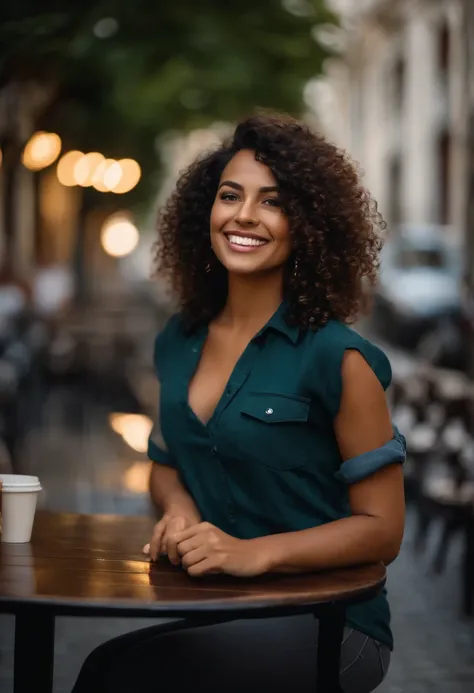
<point>244,243</point>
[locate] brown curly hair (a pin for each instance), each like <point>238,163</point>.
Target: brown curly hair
<point>333,220</point>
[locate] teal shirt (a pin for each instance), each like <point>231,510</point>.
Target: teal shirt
<point>268,460</point>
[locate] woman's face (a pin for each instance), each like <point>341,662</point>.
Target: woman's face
<point>249,230</point>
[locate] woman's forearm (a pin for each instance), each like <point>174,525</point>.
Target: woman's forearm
<point>350,541</point>
<point>168,493</point>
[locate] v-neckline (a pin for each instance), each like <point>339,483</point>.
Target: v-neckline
<point>198,349</point>
<point>229,391</point>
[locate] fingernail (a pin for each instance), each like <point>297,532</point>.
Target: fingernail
<point>146,548</point>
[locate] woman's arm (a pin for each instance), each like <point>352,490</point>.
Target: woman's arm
<point>174,503</point>
<point>374,531</point>
<point>168,492</point>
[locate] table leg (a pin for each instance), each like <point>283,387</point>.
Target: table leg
<point>468,566</point>
<point>34,651</point>
<point>331,631</point>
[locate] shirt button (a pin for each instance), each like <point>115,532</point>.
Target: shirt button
<point>214,450</point>
<point>269,411</point>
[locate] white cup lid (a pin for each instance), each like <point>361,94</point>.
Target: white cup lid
<point>20,482</point>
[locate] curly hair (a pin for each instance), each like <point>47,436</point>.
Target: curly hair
<point>333,221</point>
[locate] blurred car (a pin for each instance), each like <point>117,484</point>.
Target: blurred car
<point>419,285</point>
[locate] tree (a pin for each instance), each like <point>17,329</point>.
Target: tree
<point>120,74</point>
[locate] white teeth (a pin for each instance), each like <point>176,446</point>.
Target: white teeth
<point>244,240</point>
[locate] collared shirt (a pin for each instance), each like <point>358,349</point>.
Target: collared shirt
<point>267,461</point>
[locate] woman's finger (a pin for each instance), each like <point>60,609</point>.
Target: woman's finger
<point>156,539</point>
<point>173,531</point>
<point>205,567</point>
<point>193,557</point>
<point>188,545</point>
<point>193,530</point>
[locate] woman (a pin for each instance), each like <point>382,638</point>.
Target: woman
<point>273,450</point>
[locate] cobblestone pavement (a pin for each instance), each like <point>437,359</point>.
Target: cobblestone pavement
<point>434,651</point>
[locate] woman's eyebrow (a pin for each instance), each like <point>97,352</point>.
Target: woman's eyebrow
<point>237,186</point>
<point>231,184</point>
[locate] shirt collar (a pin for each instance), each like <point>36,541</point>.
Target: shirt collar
<point>277,322</point>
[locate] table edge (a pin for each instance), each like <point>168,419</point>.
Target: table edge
<point>238,606</point>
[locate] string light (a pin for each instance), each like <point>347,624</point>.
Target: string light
<point>41,150</point>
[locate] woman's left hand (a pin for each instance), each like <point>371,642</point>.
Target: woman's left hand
<point>206,549</point>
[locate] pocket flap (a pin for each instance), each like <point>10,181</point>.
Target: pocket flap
<point>276,408</point>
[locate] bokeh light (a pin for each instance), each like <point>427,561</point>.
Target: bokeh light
<point>66,166</point>
<point>98,177</point>
<point>119,236</point>
<point>93,169</point>
<point>135,429</point>
<point>86,167</point>
<point>137,477</point>
<point>129,178</point>
<point>112,175</point>
<point>41,150</point>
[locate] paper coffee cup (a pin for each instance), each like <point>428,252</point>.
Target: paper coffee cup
<point>19,497</point>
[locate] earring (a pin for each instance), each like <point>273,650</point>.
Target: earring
<point>208,267</point>
<point>295,268</point>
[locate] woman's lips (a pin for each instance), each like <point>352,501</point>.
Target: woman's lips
<point>241,243</point>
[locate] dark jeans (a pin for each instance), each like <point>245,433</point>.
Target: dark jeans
<point>274,655</point>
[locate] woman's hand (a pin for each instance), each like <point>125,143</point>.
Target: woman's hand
<point>166,531</point>
<point>206,549</point>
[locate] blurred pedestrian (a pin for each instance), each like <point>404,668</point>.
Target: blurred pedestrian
<point>273,450</point>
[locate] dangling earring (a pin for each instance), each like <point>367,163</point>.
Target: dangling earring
<point>208,267</point>
<point>295,268</point>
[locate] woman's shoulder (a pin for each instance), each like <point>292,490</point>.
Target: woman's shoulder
<point>327,346</point>
<point>337,336</point>
<point>168,338</point>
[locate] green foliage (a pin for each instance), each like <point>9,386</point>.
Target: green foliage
<point>127,72</point>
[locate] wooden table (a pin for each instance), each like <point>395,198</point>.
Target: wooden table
<point>91,565</point>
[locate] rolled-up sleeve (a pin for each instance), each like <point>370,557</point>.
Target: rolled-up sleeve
<point>360,467</point>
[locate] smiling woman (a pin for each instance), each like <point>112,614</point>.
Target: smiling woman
<point>311,190</point>
<point>272,448</point>
<point>247,217</point>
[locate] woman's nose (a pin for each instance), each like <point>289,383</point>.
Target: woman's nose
<point>246,215</point>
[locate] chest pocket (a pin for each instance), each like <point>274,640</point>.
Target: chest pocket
<point>274,429</point>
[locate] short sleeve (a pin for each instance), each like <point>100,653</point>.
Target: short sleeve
<point>157,448</point>
<point>164,344</point>
<point>335,340</point>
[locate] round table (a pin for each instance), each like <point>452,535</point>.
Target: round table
<point>91,565</point>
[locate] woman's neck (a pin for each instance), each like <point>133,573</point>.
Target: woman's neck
<point>251,301</point>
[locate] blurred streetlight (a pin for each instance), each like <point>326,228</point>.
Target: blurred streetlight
<point>135,429</point>
<point>86,167</point>
<point>129,178</point>
<point>66,166</point>
<point>99,175</point>
<point>112,175</point>
<point>137,477</point>
<point>41,150</point>
<point>119,236</point>
<point>93,169</point>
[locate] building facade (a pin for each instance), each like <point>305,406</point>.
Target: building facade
<point>395,98</point>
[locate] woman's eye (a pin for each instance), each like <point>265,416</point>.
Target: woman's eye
<point>273,202</point>
<point>228,196</point>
